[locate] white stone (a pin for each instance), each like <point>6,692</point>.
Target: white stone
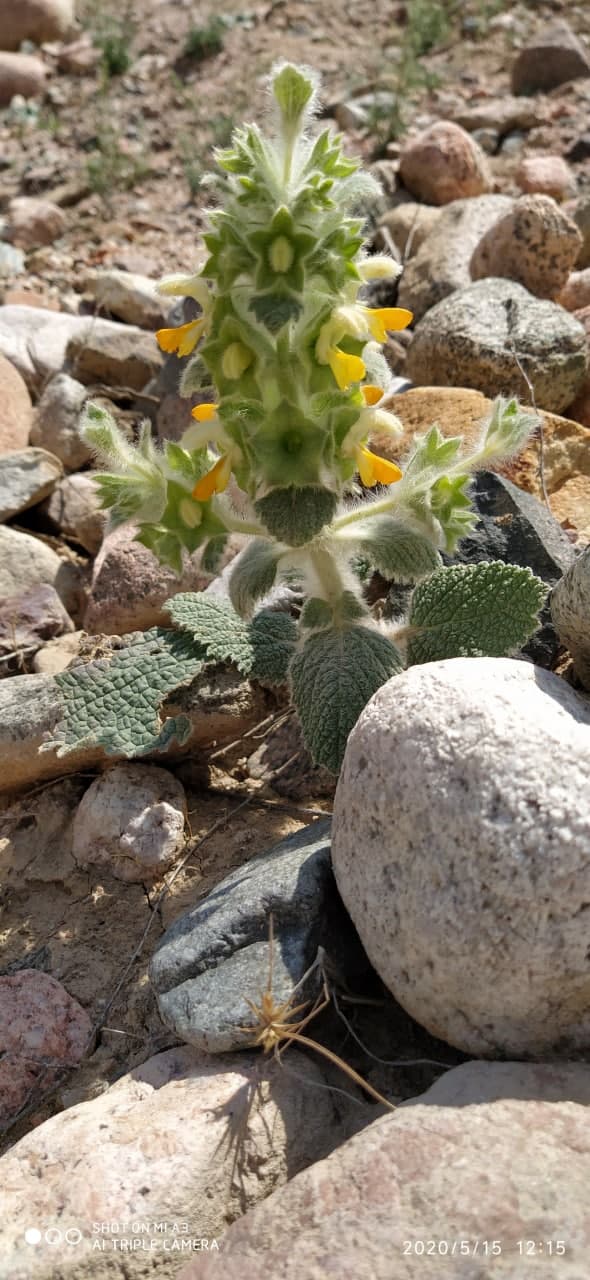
<point>128,296</point>
<point>461,848</point>
<point>57,421</point>
<point>570,610</point>
<point>131,822</point>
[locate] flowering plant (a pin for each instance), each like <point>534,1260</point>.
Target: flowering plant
<point>287,357</point>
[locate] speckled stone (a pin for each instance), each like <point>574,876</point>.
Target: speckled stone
<point>534,243</point>
<point>441,264</point>
<point>43,1031</point>
<point>570,609</point>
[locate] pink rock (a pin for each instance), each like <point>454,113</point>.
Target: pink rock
<point>42,1032</point>
<point>35,20</point>
<point>20,73</point>
<point>16,409</point>
<point>33,222</point>
<point>444,163</point>
<point>535,243</point>
<point>575,294</point>
<point>494,1143</point>
<point>129,586</point>
<point>547,175</point>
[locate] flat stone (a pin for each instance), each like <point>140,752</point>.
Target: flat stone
<point>40,342</point>
<point>115,354</point>
<point>127,296</point>
<point>500,114</point>
<point>26,477</point>
<point>469,340</point>
<point>484,873</point>
<point>505,1144</point>
<point>43,1031</point>
<point>534,243</point>
<point>549,59</point>
<point>570,609</point>
<point>213,956</point>
<point>441,265</point>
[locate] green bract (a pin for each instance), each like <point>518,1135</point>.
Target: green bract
<point>287,356</point>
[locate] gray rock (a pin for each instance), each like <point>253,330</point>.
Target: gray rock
<point>74,509</point>
<point>26,561</point>
<point>27,620</point>
<point>466,781</point>
<point>441,265</point>
<point>219,953</point>
<point>35,341</point>
<point>56,425</point>
<point>469,340</point>
<point>409,225</point>
<point>12,261</point>
<point>130,823</point>
<point>40,343</point>
<point>119,355</point>
<point>549,59</point>
<point>581,216</point>
<point>500,115</point>
<point>570,610</point>
<point>127,296</point>
<point>534,243</point>
<point>26,477</point>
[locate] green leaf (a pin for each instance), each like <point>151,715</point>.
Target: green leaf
<point>486,609</point>
<point>261,649</point>
<point>399,553</point>
<point>114,702</point>
<point>274,310</point>
<point>333,676</point>
<point>296,515</point>
<point>253,575</point>
<point>294,91</point>
<point>316,614</point>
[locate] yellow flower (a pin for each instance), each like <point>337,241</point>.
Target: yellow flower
<point>383,320</point>
<point>182,340</point>
<point>204,412</point>
<point>372,395</point>
<point>346,368</point>
<point>215,481</point>
<point>375,470</point>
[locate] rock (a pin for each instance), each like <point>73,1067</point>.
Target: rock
<point>220,706</point>
<point>182,1144</point>
<point>373,1207</point>
<point>535,243</point>
<point>116,354</point>
<point>12,261</point>
<point>57,654</point>
<point>575,294</point>
<point>26,561</point>
<point>469,340</point>
<point>444,163</point>
<point>38,342</point>
<point>484,873</point>
<point>570,610</point>
<point>26,477</point>
<point>409,224</point>
<point>488,139</point>
<point>57,421</point>
<point>441,265</point>
<point>579,211</point>
<point>33,222</point>
<point>16,410</point>
<point>20,75</point>
<point>580,409</point>
<point>44,1032</point>
<point>29,618</point>
<point>549,59</point>
<point>38,21</point>
<point>74,509</point>
<point>130,587</point>
<point>219,953</point>
<point>501,115</point>
<point>128,297</point>
<point>546,175</point>
<point>130,823</point>
<point>460,411</point>
<point>80,58</point>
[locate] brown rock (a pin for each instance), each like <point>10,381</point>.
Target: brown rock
<point>575,295</point>
<point>409,225</point>
<point>20,73</point>
<point>33,222</point>
<point>116,354</point>
<point>16,410</point>
<point>517,1158</point>
<point>57,419</point>
<point>184,1144</point>
<point>549,59</point>
<point>43,1031</point>
<point>441,265</point>
<point>27,476</point>
<point>444,163</point>
<point>35,20</point>
<point>535,244</point>
<point>57,654</point>
<point>579,210</point>
<point>74,509</point>
<point>461,411</point>
<point>80,58</point>
<point>547,176</point>
<point>30,618</point>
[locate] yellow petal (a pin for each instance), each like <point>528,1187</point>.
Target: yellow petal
<point>215,481</point>
<point>371,395</point>
<point>204,412</point>
<point>183,340</point>
<point>375,470</point>
<point>346,368</point>
<point>387,319</point>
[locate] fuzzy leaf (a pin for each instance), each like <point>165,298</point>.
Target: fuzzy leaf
<point>333,676</point>
<point>488,609</point>
<point>275,309</point>
<point>253,575</point>
<point>114,702</point>
<point>261,648</point>
<point>316,614</point>
<point>399,553</point>
<point>296,515</point>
